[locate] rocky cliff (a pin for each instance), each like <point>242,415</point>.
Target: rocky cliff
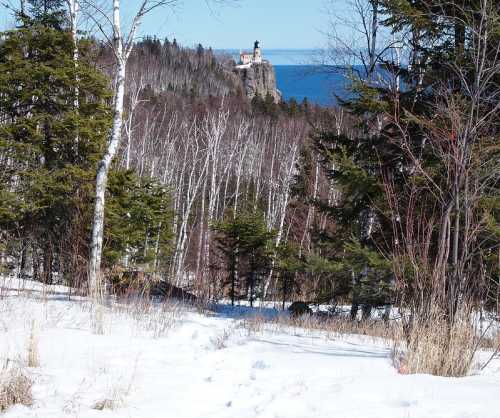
<point>259,78</point>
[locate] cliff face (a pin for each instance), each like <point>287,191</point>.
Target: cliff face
<point>259,79</point>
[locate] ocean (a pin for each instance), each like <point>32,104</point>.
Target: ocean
<point>299,74</point>
<point>319,84</point>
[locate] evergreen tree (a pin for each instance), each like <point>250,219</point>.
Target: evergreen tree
<point>200,51</point>
<point>288,266</point>
<point>245,244</point>
<point>257,104</point>
<point>48,147</point>
<point>304,106</point>
<point>417,150</point>
<point>49,13</point>
<point>352,165</point>
<point>293,107</point>
<point>270,107</point>
<point>138,223</point>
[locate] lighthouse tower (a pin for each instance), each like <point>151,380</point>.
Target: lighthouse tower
<point>257,53</point>
<point>248,58</point>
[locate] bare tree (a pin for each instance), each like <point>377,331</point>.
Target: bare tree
<point>442,230</point>
<point>74,9</point>
<point>122,47</point>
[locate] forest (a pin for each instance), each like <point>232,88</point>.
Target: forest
<point>139,165</point>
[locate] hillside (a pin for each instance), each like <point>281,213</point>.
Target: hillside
<point>169,67</point>
<point>161,67</point>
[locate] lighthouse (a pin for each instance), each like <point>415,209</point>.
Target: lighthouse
<point>247,58</point>
<point>257,53</point>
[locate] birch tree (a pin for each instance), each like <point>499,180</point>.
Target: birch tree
<point>214,128</point>
<point>74,9</point>
<point>287,156</point>
<point>121,45</point>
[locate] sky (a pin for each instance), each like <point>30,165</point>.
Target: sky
<point>278,24</point>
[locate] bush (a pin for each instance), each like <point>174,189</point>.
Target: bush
<point>15,387</point>
<point>434,346</point>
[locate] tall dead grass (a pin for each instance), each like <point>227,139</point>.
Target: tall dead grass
<point>117,392</point>
<point>33,359</point>
<point>331,327</point>
<point>140,316</point>
<point>153,319</point>
<point>429,346</point>
<point>15,386</point>
<point>433,346</point>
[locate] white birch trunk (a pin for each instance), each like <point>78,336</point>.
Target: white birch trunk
<point>96,289</point>
<point>95,283</point>
<point>287,168</point>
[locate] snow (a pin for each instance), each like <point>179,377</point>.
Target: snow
<point>174,362</point>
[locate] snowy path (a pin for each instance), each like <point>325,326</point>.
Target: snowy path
<point>185,374</point>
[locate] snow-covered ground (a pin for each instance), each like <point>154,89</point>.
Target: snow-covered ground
<point>174,362</point>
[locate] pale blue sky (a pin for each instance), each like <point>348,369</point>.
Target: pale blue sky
<point>287,24</point>
<point>276,23</point>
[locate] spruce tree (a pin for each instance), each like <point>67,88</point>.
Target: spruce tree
<point>416,173</point>
<point>289,265</point>
<point>46,173</point>
<point>245,244</point>
<point>138,224</point>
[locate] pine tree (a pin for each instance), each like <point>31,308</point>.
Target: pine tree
<point>245,244</point>
<point>353,165</point>
<point>49,13</point>
<point>46,175</point>
<point>288,266</point>
<point>138,224</point>
<point>411,177</point>
<point>447,123</point>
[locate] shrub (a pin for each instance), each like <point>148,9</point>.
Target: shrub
<point>220,340</point>
<point>434,346</point>
<point>15,387</point>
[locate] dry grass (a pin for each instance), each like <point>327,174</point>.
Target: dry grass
<point>428,347</point>
<point>15,386</point>
<point>142,316</point>
<point>334,327</point>
<point>339,326</point>
<point>220,340</point>
<point>114,400</point>
<point>254,324</point>
<point>118,392</point>
<point>97,318</point>
<point>496,341</point>
<point>33,359</point>
<point>155,319</point>
<point>434,347</point>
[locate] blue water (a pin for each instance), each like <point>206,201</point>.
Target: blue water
<point>319,84</point>
<point>299,75</point>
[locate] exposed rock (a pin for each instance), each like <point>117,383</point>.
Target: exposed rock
<point>135,283</point>
<point>166,290</point>
<point>259,78</point>
<point>299,308</point>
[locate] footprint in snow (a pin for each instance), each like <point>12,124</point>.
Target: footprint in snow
<point>259,364</point>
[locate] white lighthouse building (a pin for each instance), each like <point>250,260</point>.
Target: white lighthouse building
<point>247,58</point>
